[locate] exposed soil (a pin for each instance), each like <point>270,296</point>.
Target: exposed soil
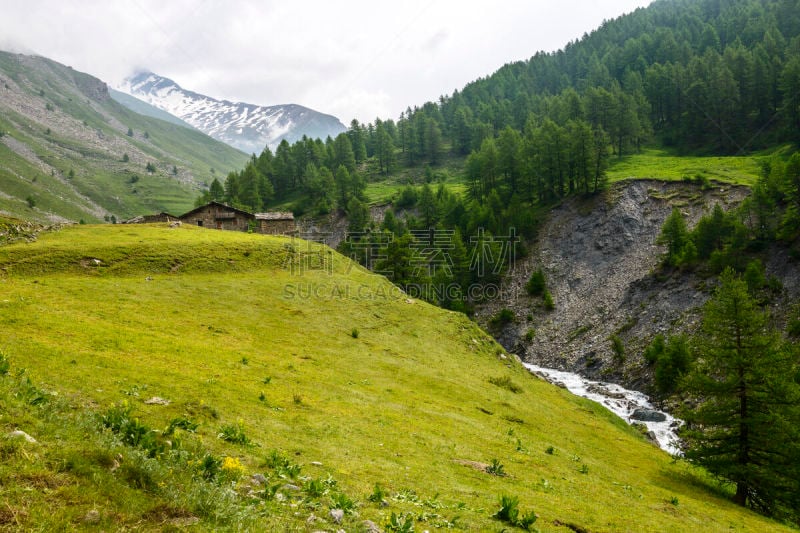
<point>603,269</point>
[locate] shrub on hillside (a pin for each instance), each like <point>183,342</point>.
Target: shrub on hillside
<point>502,317</point>
<point>617,349</point>
<point>506,383</point>
<point>496,468</point>
<point>234,433</point>
<point>536,285</point>
<point>510,514</point>
<point>547,299</point>
<point>654,350</point>
<point>408,198</point>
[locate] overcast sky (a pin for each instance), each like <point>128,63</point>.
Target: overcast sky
<point>353,59</point>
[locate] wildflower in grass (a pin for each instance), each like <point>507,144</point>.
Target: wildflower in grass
<point>232,468</point>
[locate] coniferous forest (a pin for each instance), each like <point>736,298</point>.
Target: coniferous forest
<point>698,77</point>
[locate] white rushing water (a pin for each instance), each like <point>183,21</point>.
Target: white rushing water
<point>620,401</point>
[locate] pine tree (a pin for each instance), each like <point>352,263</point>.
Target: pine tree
<point>433,141</point>
<point>744,428</point>
<point>358,214</point>
<point>232,188</point>
<point>343,153</point>
<point>216,191</point>
<point>428,208</point>
<point>250,195</point>
<point>674,235</point>
<point>384,149</point>
<point>356,134</point>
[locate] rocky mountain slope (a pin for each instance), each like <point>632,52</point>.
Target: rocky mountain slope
<point>603,269</point>
<point>247,127</point>
<point>143,108</point>
<point>68,152</point>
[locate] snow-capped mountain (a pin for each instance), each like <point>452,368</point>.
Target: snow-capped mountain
<point>247,127</point>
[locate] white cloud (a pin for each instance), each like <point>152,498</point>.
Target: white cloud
<point>353,59</point>
<point>370,105</point>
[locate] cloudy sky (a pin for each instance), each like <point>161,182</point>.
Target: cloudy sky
<point>355,59</point>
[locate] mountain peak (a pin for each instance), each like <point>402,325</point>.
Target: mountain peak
<point>248,127</point>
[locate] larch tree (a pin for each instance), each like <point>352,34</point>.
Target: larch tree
<point>675,235</point>
<point>744,427</point>
<point>216,191</point>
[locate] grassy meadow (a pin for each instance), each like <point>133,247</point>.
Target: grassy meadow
<point>660,164</point>
<point>282,359</point>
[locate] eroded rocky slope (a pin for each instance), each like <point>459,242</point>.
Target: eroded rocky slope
<point>601,262</point>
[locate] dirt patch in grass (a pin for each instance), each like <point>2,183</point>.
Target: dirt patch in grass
<point>42,481</point>
<point>168,513</point>
<point>472,464</point>
<point>10,516</point>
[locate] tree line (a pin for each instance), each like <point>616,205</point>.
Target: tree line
<point>443,247</point>
<point>319,176</point>
<point>698,75</point>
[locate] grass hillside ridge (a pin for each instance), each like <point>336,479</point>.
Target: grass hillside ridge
<point>233,381</point>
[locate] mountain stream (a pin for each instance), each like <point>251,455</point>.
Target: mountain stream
<point>631,406</point>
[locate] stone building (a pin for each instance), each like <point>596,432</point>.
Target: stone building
<point>276,223</point>
<point>150,219</point>
<point>216,215</point>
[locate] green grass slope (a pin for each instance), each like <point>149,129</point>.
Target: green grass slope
<point>62,147</point>
<point>298,366</point>
<point>654,163</point>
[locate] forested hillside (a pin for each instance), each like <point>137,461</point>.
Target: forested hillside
<point>708,76</point>
<point>700,77</point>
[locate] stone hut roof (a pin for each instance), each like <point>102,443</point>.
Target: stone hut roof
<point>275,215</point>
<point>144,218</point>
<point>217,204</point>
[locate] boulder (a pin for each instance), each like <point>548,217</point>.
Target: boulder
<point>603,391</point>
<point>337,515</point>
<point>155,400</point>
<point>92,517</point>
<point>371,527</point>
<point>22,435</point>
<point>648,415</point>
